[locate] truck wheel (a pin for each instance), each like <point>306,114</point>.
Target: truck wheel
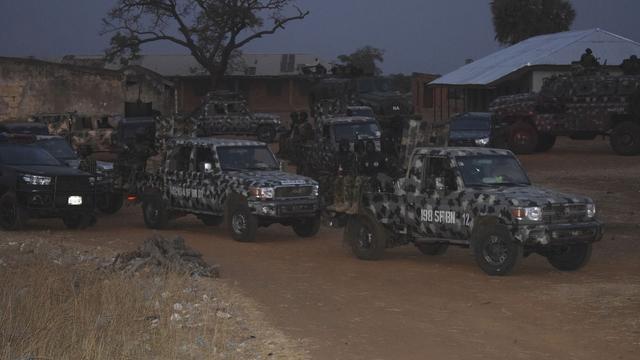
<point>242,223</point>
<point>367,238</point>
<point>111,203</point>
<point>78,221</point>
<point>433,249</point>
<point>12,217</point>
<point>545,142</point>
<point>266,133</point>
<point>495,251</point>
<point>625,138</point>
<point>307,227</point>
<point>570,258</point>
<point>154,212</point>
<point>211,220</point>
<point>522,138</point>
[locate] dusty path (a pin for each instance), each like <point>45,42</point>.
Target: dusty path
<point>409,306</point>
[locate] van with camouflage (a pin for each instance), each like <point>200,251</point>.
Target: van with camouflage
<point>478,198</point>
<point>237,180</point>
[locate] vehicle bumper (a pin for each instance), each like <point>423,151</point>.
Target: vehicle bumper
<point>48,204</point>
<point>283,209</point>
<point>559,234</point>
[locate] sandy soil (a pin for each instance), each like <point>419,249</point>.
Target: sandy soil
<point>410,306</point>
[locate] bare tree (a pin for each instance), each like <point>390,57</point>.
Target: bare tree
<point>212,30</point>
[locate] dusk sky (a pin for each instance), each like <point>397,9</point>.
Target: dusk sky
<point>417,35</point>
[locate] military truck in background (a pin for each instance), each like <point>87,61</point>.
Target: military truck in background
<point>582,105</point>
<point>478,198</point>
<point>226,113</point>
<point>237,180</point>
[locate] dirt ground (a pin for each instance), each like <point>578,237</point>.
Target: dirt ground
<point>410,306</point>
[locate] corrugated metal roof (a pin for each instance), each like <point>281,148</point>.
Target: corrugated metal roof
<point>553,49</point>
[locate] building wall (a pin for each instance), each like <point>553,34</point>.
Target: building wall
<point>29,87</point>
<point>279,96</point>
<point>142,88</point>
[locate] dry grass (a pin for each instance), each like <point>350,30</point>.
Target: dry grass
<point>52,311</point>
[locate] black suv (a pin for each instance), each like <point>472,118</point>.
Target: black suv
<point>33,184</point>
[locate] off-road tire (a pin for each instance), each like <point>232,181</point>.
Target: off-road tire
<point>78,221</point>
<point>433,249</point>
<point>266,133</point>
<point>496,252</point>
<point>545,142</point>
<point>571,257</point>
<point>12,217</point>
<point>154,212</point>
<point>242,224</point>
<point>307,227</point>
<point>625,138</point>
<point>366,237</point>
<point>111,203</point>
<point>211,220</point>
<point>522,138</point>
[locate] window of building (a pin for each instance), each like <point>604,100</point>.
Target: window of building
<point>287,63</point>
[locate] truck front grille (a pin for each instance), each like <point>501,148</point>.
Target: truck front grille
<point>294,191</point>
<point>565,213</point>
<point>72,184</point>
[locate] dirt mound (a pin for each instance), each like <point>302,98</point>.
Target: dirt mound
<point>160,254</point>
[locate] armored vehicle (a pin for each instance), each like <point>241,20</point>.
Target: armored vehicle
<point>92,132</point>
<point>581,105</point>
<point>227,114</point>
<point>33,184</point>
<point>236,180</point>
<point>478,198</point>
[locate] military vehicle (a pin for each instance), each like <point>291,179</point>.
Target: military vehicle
<point>236,180</point>
<point>227,114</point>
<point>581,105</point>
<point>94,133</point>
<point>472,129</point>
<point>33,184</point>
<point>478,198</point>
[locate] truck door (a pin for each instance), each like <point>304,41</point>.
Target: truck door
<point>207,180</point>
<point>177,176</point>
<point>240,118</point>
<point>439,212</point>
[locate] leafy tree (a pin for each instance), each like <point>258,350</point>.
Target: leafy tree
<point>364,59</point>
<point>517,20</point>
<point>212,30</point>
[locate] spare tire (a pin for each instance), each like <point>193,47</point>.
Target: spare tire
<point>625,138</point>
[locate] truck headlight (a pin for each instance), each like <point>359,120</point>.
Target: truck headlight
<point>36,180</point>
<point>591,210</point>
<point>482,142</point>
<point>315,191</point>
<point>262,193</point>
<point>530,213</point>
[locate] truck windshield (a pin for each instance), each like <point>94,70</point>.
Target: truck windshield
<point>361,111</point>
<point>235,158</point>
<point>26,155</point>
<point>350,131</point>
<point>59,148</point>
<point>491,170</point>
<point>471,123</point>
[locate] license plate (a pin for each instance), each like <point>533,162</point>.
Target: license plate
<point>75,200</point>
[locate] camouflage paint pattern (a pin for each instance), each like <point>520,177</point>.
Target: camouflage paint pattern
<point>403,210</point>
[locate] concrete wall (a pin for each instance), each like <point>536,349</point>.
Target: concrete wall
<point>30,87</point>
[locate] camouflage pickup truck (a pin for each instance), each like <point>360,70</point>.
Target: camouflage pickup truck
<point>225,114</point>
<point>478,198</point>
<point>237,180</point>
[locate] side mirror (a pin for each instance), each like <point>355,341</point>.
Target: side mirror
<point>207,168</point>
